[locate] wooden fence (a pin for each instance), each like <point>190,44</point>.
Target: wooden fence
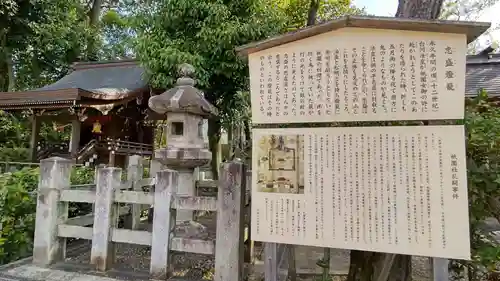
<point>53,227</point>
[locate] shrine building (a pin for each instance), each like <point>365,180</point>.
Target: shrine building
<point>105,103</point>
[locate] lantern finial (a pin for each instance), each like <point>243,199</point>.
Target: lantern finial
<point>186,70</point>
<point>186,73</point>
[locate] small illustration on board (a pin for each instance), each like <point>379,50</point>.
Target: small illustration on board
<point>280,164</point>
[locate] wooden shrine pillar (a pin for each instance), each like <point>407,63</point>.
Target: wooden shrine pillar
<point>74,141</point>
<point>35,137</point>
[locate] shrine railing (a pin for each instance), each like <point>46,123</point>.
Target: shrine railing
<point>85,152</point>
<point>94,147</point>
<point>125,147</point>
<point>46,150</point>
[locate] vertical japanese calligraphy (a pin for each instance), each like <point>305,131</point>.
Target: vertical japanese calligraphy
<point>374,81</point>
<point>355,81</point>
<point>262,85</point>
<point>364,81</point>
<point>294,91</point>
<point>398,76</point>
<point>329,83</point>
<point>319,107</point>
<point>403,88</point>
<point>269,86</point>
<point>366,188</point>
<point>278,95</point>
<point>345,80</point>
<point>424,98</point>
<point>311,84</point>
<point>392,74</point>
<point>412,49</point>
<point>336,79</point>
<point>302,85</point>
<point>286,93</point>
<point>382,56</point>
<point>434,76</point>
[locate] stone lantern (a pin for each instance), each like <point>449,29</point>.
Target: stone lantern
<point>185,108</point>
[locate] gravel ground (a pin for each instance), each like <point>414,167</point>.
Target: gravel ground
<point>136,258</point>
<point>194,266</point>
<point>421,268</point>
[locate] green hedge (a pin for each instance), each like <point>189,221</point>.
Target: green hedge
<point>14,154</point>
<point>17,213</point>
<point>18,207</point>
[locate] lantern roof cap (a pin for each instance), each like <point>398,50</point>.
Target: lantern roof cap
<point>183,97</point>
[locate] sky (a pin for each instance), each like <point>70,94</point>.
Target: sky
<point>389,7</point>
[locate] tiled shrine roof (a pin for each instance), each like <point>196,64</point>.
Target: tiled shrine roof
<point>483,72</point>
<point>87,83</point>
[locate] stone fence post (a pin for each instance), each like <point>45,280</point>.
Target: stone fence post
<point>135,172</point>
<point>229,247</point>
<point>164,218</point>
<point>154,167</point>
<point>54,176</point>
<point>96,174</point>
<point>105,217</point>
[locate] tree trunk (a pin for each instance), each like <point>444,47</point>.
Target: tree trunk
<point>4,70</point>
<point>214,128</point>
<point>10,71</point>
<point>238,147</point>
<point>4,81</point>
<point>230,139</point>
<point>36,72</point>
<point>95,12</point>
<point>365,266</point>
<point>247,146</point>
<point>94,15</point>
<point>313,12</point>
<point>7,75</point>
<point>422,9</point>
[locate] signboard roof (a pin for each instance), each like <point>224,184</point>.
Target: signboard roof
<point>471,29</point>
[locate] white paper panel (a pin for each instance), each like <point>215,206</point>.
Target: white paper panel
<point>355,74</point>
<point>386,189</point>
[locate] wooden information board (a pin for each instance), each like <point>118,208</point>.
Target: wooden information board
<point>357,74</point>
<point>390,189</point>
